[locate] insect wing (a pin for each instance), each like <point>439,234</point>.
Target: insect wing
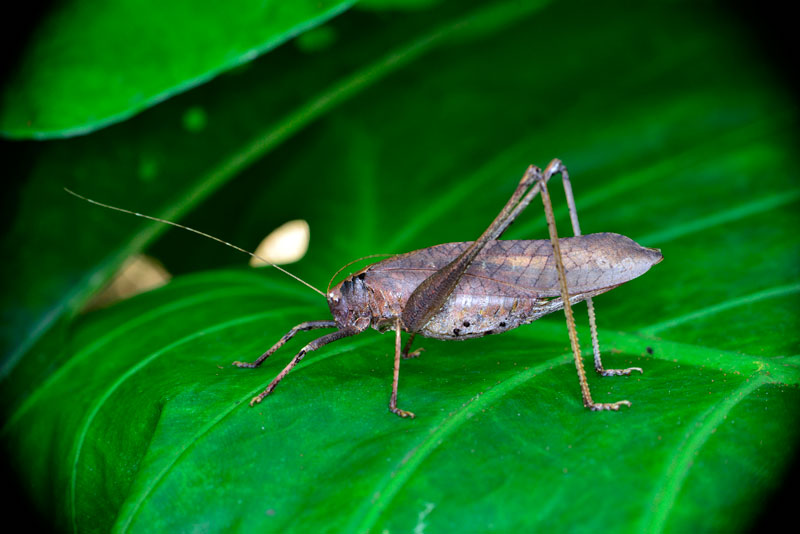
<point>522,268</point>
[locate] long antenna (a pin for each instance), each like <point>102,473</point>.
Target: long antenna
<point>218,240</point>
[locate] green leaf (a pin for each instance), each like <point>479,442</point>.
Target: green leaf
<point>675,134</point>
<point>89,65</point>
<point>170,159</point>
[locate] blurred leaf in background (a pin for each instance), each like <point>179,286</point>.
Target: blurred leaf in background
<point>89,65</point>
<point>392,126</point>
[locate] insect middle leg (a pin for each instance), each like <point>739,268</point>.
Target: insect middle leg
<point>555,167</point>
<point>408,355</point>
<point>396,376</point>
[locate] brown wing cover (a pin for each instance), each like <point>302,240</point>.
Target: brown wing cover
<point>509,283</point>
<point>522,269</point>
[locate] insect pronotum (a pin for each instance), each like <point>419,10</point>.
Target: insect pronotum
<point>474,289</point>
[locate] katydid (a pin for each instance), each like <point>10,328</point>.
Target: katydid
<point>457,291</point>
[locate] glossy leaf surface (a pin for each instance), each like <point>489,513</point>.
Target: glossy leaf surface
<point>132,419</point>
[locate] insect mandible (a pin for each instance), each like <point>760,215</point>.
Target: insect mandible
<point>458,291</point>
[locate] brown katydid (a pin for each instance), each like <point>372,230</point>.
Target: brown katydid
<point>473,289</point>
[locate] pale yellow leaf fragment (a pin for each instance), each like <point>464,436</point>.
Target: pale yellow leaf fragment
<point>138,274</point>
<point>286,244</point>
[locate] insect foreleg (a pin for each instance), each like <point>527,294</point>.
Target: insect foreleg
<point>314,345</point>
<point>554,167</point>
<point>573,334</point>
<point>396,376</point>
<point>308,325</point>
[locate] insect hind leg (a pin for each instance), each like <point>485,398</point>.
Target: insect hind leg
<point>562,282</point>
<point>555,167</point>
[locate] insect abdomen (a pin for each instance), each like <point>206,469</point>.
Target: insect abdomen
<point>467,316</point>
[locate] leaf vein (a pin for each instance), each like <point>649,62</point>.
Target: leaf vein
<point>183,450</point>
<point>391,484</point>
<point>773,292</point>
<point>95,409</point>
<point>108,338</point>
<point>734,214</point>
<point>678,467</point>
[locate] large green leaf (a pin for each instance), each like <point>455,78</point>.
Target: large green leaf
<point>168,160</point>
<point>92,64</point>
<point>674,135</point>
